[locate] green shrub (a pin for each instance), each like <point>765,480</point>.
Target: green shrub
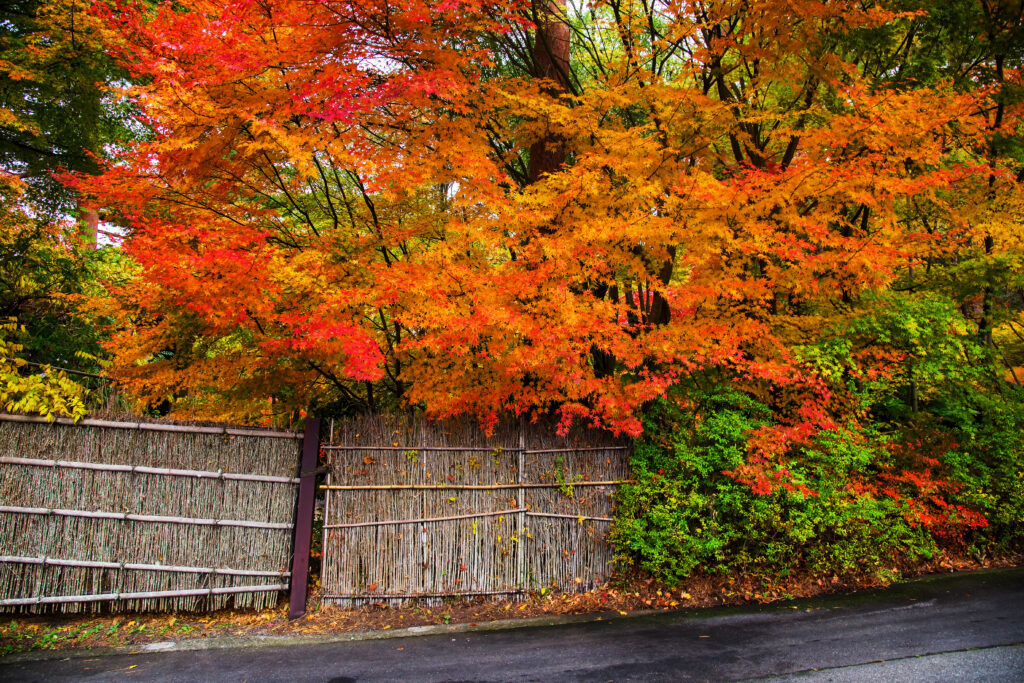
<point>928,455</point>
<point>684,514</point>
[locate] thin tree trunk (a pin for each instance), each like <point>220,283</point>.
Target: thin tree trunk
<point>90,229</point>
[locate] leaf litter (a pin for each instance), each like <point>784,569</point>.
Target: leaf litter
<point>24,632</point>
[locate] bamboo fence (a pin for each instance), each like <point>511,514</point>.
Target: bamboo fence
<point>132,516</point>
<point>416,509</point>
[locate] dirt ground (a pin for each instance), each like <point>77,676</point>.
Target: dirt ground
<point>21,633</point>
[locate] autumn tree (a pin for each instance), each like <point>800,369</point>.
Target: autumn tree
<point>56,115</point>
<point>511,206</point>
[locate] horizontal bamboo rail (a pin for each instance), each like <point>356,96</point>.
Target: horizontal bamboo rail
<point>577,450</point>
<point>581,518</point>
<point>155,427</point>
<point>446,449</point>
<point>407,596</point>
<point>143,469</point>
<point>392,522</point>
<point>214,571</point>
<point>129,517</point>
<point>148,595</point>
<point>466,487</point>
<point>476,449</point>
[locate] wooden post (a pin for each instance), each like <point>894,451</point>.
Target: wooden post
<point>304,519</point>
<point>521,557</point>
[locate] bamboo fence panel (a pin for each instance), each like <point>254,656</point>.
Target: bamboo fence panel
<point>132,517</point>
<point>567,543</point>
<point>417,509</point>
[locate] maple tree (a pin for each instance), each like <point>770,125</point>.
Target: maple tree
<point>488,207</point>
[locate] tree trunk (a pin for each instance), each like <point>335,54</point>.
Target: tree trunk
<point>90,229</point>
<point>551,63</point>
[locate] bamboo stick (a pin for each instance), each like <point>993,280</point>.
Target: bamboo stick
<point>215,571</point>
<point>326,548</point>
<point>126,516</point>
<point>145,595</point>
<point>154,426</point>
<point>457,449</point>
<point>522,571</point>
<point>574,517</point>
<point>392,522</point>
<point>408,596</point>
<point>142,469</point>
<point>467,487</point>
<point>578,450</point>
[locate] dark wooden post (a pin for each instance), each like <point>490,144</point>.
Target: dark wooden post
<point>304,519</point>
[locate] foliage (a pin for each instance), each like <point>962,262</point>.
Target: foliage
<point>684,513</point>
<point>47,391</point>
<point>929,458</point>
<point>902,351</point>
<point>56,114</point>
<point>43,276</point>
<point>54,110</point>
<point>913,364</point>
<point>988,460</point>
<point>514,207</point>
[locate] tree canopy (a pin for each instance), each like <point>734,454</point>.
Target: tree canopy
<point>57,115</point>
<point>515,206</point>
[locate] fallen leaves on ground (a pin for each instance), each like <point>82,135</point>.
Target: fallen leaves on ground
<point>20,633</point>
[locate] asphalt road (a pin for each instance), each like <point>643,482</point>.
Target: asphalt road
<point>959,627</point>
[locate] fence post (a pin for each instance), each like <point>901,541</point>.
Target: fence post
<point>304,519</point>
<point>521,556</point>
